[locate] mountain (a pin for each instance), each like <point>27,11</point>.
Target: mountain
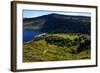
<point>58,23</point>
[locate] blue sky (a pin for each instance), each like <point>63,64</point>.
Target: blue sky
<point>35,13</point>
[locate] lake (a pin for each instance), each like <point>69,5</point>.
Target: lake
<point>29,34</point>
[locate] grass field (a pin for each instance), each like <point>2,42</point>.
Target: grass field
<point>66,36</point>
<point>43,50</point>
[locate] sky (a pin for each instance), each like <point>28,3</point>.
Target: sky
<point>35,13</point>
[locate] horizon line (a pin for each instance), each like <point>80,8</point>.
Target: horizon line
<point>59,14</point>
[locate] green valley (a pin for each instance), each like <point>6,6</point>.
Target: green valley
<point>57,47</point>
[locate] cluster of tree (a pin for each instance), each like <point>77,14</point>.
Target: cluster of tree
<point>77,45</point>
<point>81,44</point>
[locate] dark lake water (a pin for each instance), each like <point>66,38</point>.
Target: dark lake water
<point>29,34</point>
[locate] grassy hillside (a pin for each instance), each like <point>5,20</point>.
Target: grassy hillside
<point>44,49</point>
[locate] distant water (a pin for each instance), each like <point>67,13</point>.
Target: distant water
<point>29,34</point>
